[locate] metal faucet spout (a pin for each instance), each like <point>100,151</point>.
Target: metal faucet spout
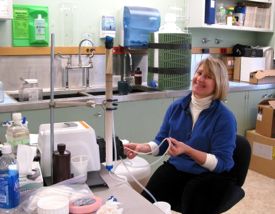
<point>130,60</point>
<point>79,48</point>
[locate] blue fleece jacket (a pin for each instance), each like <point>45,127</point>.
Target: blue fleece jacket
<point>214,133</point>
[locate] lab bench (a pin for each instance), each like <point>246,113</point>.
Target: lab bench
<point>131,201</point>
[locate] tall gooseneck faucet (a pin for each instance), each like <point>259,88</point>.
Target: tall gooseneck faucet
<point>79,49</point>
<point>85,68</point>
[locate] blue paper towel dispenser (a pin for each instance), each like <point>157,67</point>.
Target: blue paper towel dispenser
<point>138,22</point>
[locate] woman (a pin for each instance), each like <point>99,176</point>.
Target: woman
<point>200,135</point>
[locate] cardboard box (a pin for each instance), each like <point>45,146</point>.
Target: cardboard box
<point>263,153</point>
<point>262,77</point>
<point>265,123</point>
<point>243,66</point>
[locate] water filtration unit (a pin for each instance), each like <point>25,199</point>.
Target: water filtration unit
<point>169,60</point>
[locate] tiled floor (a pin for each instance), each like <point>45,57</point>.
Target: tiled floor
<point>259,196</point>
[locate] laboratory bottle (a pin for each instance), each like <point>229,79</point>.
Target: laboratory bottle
<point>30,91</point>
<point>138,76</point>
<point>61,164</point>
<point>9,181</point>
<point>1,92</point>
<point>221,14</point>
<point>229,16</point>
<point>17,133</point>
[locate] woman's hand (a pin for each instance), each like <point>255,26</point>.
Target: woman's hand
<point>177,147</point>
<point>131,149</point>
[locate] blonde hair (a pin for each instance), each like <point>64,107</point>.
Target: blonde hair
<point>216,67</point>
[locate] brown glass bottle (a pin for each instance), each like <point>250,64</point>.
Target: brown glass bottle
<point>138,76</point>
<point>61,164</point>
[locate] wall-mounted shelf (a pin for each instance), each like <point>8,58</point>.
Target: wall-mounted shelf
<point>197,15</point>
<point>238,28</point>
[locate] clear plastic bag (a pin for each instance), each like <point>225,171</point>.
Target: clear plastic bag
<point>72,191</point>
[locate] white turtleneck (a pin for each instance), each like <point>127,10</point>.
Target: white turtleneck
<point>197,105</point>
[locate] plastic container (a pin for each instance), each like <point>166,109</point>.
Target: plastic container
<point>30,91</point>
<point>79,166</point>
<point>1,92</point>
<point>221,14</point>
<point>61,164</point>
<point>54,204</point>
<point>138,22</point>
<point>17,133</point>
<point>9,181</point>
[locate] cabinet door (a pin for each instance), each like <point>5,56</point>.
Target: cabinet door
<point>236,102</point>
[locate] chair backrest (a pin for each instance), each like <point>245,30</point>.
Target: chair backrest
<point>241,158</point>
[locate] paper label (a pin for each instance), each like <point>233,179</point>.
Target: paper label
<point>263,151</point>
<point>212,4</point>
<point>20,23</point>
<point>259,116</point>
<point>5,9</point>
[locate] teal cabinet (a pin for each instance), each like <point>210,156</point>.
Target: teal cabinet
<point>237,102</point>
<point>139,121</point>
<point>244,106</point>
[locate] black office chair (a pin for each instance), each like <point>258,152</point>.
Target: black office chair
<point>241,157</point>
<point>234,193</point>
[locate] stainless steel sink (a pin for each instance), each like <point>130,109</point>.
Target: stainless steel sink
<point>67,94</point>
<point>58,95</point>
<point>134,89</point>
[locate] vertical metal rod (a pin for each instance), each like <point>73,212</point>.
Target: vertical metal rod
<point>109,103</point>
<point>87,77</point>
<point>52,76</point>
<point>83,76</point>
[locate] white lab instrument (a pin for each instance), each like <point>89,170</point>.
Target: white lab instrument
<point>79,137</point>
